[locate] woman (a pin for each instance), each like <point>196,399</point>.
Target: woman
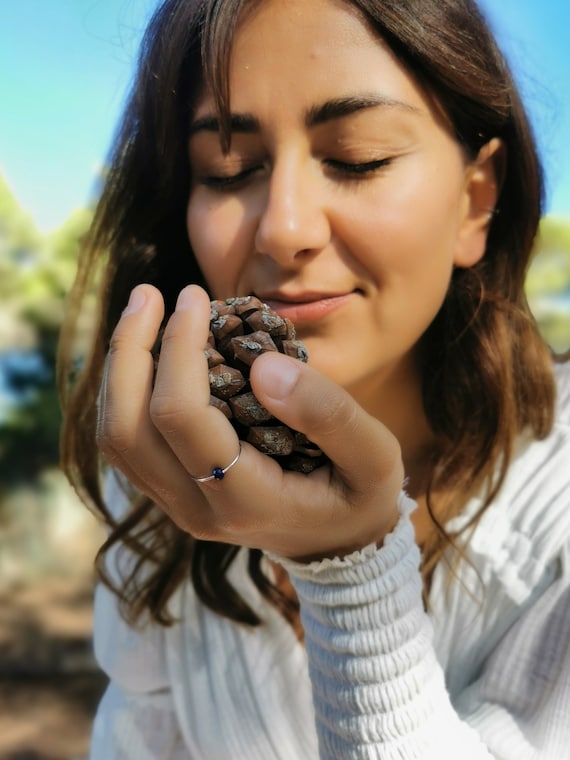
<point>367,169</point>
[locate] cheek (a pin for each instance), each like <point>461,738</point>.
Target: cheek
<point>404,246</point>
<point>412,231</point>
<point>217,235</point>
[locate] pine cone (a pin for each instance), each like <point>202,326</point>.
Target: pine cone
<point>241,329</point>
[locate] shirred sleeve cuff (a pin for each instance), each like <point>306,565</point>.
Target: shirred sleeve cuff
<point>378,689</point>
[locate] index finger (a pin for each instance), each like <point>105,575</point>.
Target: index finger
<point>180,408</point>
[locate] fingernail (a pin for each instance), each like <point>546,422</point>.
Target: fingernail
<point>279,376</point>
<point>136,301</point>
<point>185,300</point>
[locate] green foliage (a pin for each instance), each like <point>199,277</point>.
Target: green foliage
<point>36,273</point>
<point>548,282</point>
<point>18,234</point>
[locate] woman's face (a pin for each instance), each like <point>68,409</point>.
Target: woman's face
<point>343,202</point>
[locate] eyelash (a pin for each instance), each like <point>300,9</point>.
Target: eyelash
<point>358,170</point>
<point>350,171</point>
<point>223,182</point>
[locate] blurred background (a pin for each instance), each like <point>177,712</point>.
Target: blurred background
<point>66,67</point>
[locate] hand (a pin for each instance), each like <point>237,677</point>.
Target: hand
<point>160,437</point>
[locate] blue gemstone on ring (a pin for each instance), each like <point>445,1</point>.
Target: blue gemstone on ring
<point>218,473</point>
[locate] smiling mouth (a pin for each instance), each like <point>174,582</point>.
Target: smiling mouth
<point>306,307</point>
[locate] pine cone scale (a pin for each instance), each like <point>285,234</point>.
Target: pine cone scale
<point>241,330</point>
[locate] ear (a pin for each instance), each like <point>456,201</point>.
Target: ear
<point>483,180</point>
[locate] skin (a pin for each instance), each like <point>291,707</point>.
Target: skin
<point>344,203</point>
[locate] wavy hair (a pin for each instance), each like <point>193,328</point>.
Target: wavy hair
<point>486,370</point>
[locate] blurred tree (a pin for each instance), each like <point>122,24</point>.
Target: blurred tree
<point>35,275</point>
<point>18,234</point>
<point>548,283</point>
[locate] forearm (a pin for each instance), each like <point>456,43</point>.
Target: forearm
<point>378,689</point>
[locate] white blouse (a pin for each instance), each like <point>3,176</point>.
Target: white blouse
<point>486,674</point>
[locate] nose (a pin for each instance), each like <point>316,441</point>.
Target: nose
<point>293,218</point>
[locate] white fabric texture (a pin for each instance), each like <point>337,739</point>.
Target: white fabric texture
<point>485,675</point>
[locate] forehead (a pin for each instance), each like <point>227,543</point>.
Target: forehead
<point>300,53</point>
<point>299,33</point>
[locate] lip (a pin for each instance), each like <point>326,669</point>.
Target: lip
<point>306,307</point>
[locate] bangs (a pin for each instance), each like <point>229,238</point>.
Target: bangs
<point>221,20</point>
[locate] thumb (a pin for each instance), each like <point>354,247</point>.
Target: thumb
<point>364,452</point>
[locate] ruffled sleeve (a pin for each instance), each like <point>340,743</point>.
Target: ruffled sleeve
<point>487,673</point>
<point>520,701</point>
<point>378,689</point>
<point>136,717</point>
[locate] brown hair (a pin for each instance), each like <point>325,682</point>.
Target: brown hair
<point>486,370</point>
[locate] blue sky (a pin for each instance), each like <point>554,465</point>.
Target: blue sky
<point>66,66</point>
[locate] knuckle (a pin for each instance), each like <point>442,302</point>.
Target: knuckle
<point>113,436</point>
<point>199,527</point>
<point>119,340</point>
<point>164,409</point>
<point>338,414</point>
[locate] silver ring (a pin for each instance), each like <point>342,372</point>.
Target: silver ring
<point>218,473</point>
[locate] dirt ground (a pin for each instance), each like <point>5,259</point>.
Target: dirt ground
<point>49,682</point>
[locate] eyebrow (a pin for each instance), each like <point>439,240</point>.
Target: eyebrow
<point>340,107</point>
<point>336,108</point>
<point>238,122</point>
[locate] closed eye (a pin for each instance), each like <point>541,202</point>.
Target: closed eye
<point>357,169</point>
<point>349,170</point>
<point>223,181</point>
